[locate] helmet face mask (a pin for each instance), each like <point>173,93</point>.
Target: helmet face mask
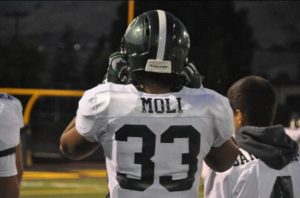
<point>156,41</point>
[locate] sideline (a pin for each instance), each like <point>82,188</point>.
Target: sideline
<point>74,174</point>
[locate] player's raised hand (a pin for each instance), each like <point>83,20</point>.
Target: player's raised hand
<point>192,76</point>
<point>117,68</point>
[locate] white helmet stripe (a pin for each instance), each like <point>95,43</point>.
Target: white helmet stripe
<point>162,35</point>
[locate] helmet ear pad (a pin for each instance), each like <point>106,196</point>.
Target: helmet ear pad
<point>144,40</point>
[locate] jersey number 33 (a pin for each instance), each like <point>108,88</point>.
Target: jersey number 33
<point>143,158</point>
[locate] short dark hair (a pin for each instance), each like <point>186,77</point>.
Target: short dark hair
<point>255,97</point>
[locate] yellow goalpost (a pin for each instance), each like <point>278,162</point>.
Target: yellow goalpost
<point>36,94</point>
<point>130,11</point>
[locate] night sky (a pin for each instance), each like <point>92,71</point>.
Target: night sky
<point>273,22</point>
<point>91,18</point>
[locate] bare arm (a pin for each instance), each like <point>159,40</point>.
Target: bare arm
<point>9,187</point>
<point>222,158</point>
<point>19,163</point>
<point>75,146</point>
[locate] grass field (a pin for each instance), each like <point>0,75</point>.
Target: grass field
<point>73,184</point>
<point>64,188</point>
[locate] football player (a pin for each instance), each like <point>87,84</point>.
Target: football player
<point>154,130</point>
<point>11,170</point>
<point>268,165</point>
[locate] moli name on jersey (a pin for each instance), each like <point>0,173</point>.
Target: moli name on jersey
<point>161,105</point>
<point>243,158</point>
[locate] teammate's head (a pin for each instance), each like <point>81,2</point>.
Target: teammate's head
<point>253,101</point>
<point>156,41</point>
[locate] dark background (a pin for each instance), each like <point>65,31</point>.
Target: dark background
<point>66,44</point>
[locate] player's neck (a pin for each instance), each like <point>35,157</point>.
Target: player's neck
<point>155,89</point>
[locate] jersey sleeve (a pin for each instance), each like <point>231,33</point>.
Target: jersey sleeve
<point>223,124</point>
<point>10,111</point>
<point>11,120</point>
<point>90,117</point>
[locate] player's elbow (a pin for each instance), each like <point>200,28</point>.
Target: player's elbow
<point>68,149</point>
<point>222,158</point>
<point>77,147</point>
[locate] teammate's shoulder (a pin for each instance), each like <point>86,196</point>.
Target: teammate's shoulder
<point>10,110</point>
<point>7,98</point>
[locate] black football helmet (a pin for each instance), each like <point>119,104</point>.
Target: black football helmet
<point>156,41</point>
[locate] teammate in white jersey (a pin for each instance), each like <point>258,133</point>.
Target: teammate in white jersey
<point>269,164</point>
<point>155,132</point>
<point>11,121</point>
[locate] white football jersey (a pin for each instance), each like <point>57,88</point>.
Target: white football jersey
<point>11,120</point>
<point>251,177</point>
<point>154,143</point>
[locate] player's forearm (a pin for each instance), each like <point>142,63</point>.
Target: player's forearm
<point>77,153</point>
<point>9,187</point>
<point>67,147</point>
<point>74,146</point>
